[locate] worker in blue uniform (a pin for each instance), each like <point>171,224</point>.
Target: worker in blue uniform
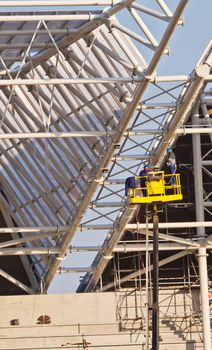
<point>172,164</point>
<point>144,173</point>
<point>129,183</point>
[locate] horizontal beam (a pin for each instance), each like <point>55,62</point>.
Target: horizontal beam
<point>136,247</point>
<point>103,133</point>
<point>107,204</point>
<point>129,157</point>
<point>164,105</point>
<point>29,251</point>
<point>66,81</point>
<point>24,32</point>
<point>195,130</point>
<point>74,269</point>
<point>42,3</point>
<point>206,162</point>
<point>121,248</point>
<point>48,17</point>
<point>104,227</point>
<point>28,238</point>
<point>138,226</point>
<point>50,229</point>
<point>53,135</point>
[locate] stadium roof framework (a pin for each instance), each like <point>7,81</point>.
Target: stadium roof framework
<point>72,81</point>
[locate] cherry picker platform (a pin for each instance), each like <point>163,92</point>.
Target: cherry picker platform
<point>158,187</point>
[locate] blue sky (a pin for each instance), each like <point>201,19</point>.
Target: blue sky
<point>186,46</point>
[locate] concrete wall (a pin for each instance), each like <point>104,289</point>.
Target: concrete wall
<point>97,321</point>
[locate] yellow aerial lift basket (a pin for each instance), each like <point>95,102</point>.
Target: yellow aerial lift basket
<point>158,187</point>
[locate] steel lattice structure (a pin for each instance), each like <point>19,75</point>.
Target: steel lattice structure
<point>75,76</point>
<point>82,108</point>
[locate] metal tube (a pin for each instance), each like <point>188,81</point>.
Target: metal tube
<point>53,135</point>
<point>201,130</point>
<point>30,229</point>
<point>16,282</point>
<point>53,17</point>
<point>129,157</point>
<point>164,7</point>
<point>122,248</point>
<point>204,298</point>
<point>198,180</point>
<point>74,269</point>
<point>203,274</point>
<point>115,24</point>
<point>65,81</point>
<point>59,3</point>
<point>150,12</point>
<point>29,251</point>
<point>138,226</point>
<point>143,27</point>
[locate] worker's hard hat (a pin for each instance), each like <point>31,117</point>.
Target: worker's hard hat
<point>169,149</point>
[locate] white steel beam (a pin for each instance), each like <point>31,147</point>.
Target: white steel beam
<point>51,135</point>
<point>129,227</point>
<point>120,248</point>
<point>52,17</point>
<point>81,81</point>
<point>16,282</point>
<point>30,238</point>
<point>123,157</point>
<point>74,269</point>
<point>153,13</point>
<point>138,226</point>
<point>41,3</point>
<point>29,251</point>
<point>203,274</point>
<point>25,229</point>
<point>136,247</point>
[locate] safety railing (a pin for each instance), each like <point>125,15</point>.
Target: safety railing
<point>156,186</point>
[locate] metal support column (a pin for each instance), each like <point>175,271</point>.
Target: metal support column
<point>198,181</point>
<point>203,273</point>
<point>155,308</point>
